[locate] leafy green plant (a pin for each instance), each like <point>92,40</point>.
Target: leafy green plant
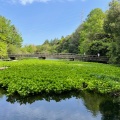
<point>35,76</point>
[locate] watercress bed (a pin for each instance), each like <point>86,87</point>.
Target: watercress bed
<point>34,76</point>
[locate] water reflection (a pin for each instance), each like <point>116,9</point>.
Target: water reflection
<point>2,93</point>
<point>107,106</point>
<point>40,97</point>
<point>68,106</point>
<point>110,111</point>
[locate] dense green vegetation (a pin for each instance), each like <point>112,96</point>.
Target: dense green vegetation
<point>10,38</point>
<point>112,28</point>
<point>36,76</point>
<point>99,33</point>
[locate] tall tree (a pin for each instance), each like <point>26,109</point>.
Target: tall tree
<point>63,45</point>
<point>70,43</point>
<point>112,27</point>
<point>9,35</point>
<point>92,26</point>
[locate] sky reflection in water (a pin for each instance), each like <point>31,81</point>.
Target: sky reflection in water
<point>84,107</point>
<point>69,109</point>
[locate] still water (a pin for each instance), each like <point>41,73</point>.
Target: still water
<point>69,106</point>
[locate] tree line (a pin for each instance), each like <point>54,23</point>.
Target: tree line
<point>98,33</point>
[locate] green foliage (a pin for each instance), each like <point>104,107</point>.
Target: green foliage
<point>30,48</point>
<point>98,47</point>
<point>12,49</point>
<point>10,39</point>
<point>70,43</point>
<point>3,50</point>
<point>112,27</point>
<point>36,76</point>
<point>90,29</point>
<point>48,46</point>
<point>8,33</point>
<point>64,44</point>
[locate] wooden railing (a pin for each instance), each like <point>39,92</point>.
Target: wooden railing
<point>70,56</point>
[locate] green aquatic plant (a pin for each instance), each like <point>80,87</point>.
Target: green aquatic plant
<point>35,76</point>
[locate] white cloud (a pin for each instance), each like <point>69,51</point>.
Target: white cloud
<point>31,1</point>
<point>24,2</point>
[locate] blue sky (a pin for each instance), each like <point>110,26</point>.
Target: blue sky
<point>38,20</point>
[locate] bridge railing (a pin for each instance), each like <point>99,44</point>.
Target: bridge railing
<point>94,58</point>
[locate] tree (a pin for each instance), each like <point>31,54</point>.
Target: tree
<point>12,49</point>
<point>92,26</point>
<point>14,37</point>
<point>112,28</point>
<point>54,44</point>
<point>74,42</point>
<point>8,32</point>
<point>9,35</point>
<point>3,50</point>
<point>70,43</point>
<point>98,47</point>
<point>29,49</point>
<point>63,45</point>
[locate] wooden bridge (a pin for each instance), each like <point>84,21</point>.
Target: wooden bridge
<point>70,56</point>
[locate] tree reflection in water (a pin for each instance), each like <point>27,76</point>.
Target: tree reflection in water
<point>108,106</point>
<point>2,92</point>
<point>110,110</point>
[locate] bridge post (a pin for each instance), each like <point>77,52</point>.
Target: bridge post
<point>71,59</point>
<point>43,58</point>
<point>13,58</point>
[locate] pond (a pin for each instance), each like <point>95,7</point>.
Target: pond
<point>68,106</point>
